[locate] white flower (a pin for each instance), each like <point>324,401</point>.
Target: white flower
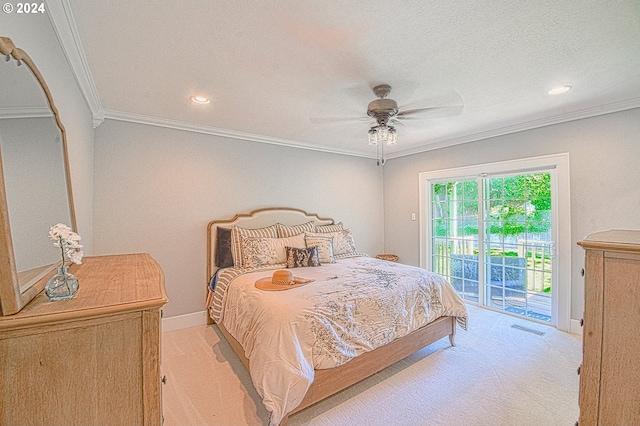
<point>68,242</point>
<point>75,256</point>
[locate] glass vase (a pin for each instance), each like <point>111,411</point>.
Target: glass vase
<point>62,286</point>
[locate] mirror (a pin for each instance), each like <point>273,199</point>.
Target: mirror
<point>35,190</point>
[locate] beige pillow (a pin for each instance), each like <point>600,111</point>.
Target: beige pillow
<point>324,244</point>
<point>342,241</point>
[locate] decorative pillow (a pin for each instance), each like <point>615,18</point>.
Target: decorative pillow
<point>324,245</point>
<point>302,257</point>
<point>236,240</point>
<point>352,254</point>
<point>342,241</point>
<point>224,256</point>
<point>262,251</point>
<point>330,228</point>
<point>289,231</point>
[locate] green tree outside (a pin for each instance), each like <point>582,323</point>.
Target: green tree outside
<point>517,204</point>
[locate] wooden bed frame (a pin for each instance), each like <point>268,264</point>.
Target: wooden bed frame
<point>328,382</point>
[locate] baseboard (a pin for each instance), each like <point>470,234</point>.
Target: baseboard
<point>184,321</point>
<point>576,328</point>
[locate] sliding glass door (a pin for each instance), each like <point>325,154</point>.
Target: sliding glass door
<point>493,236</point>
<point>518,244</point>
<point>455,237</point>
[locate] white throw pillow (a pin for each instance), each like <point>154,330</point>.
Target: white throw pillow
<point>324,244</point>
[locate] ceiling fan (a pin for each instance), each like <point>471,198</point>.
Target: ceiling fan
<point>386,110</point>
<point>386,113</point>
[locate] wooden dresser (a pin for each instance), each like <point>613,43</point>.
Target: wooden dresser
<point>610,371</point>
<point>90,360</point>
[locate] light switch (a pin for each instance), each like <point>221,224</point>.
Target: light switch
<point>413,216</point>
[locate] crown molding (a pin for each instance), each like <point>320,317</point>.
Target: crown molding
<point>527,125</point>
<point>501,131</point>
<point>64,25</point>
<point>232,134</point>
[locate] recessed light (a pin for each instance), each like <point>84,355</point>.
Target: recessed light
<point>199,99</point>
<point>558,90</point>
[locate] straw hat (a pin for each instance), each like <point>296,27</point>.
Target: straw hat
<point>281,279</point>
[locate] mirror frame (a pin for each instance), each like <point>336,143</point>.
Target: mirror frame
<point>12,300</point>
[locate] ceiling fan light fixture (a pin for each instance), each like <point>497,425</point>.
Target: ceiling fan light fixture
<point>558,90</point>
<point>382,134</point>
<point>392,138</point>
<point>373,137</point>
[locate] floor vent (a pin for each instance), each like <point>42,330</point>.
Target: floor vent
<point>528,330</point>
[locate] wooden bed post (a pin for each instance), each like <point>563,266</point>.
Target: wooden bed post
<point>452,336</point>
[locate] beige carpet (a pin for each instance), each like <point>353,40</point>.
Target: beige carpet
<point>495,375</point>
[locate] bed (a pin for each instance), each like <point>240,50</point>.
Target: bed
<point>350,316</point>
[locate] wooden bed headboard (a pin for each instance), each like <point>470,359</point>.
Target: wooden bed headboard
<point>257,219</point>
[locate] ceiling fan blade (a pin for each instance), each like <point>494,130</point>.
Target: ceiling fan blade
<point>446,103</point>
<point>330,120</point>
<point>430,112</point>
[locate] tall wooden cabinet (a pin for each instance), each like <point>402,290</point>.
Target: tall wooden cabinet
<point>610,371</point>
<point>90,360</point>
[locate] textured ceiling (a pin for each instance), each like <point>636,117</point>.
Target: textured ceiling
<point>294,72</point>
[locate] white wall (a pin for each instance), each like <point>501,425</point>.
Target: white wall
<point>156,189</point>
<point>34,34</point>
<point>604,155</point>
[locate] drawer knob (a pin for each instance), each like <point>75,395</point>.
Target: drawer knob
<point>582,272</point>
<point>164,380</point>
<point>579,370</point>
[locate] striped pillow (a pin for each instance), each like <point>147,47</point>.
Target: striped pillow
<point>330,228</point>
<point>236,240</point>
<point>290,231</point>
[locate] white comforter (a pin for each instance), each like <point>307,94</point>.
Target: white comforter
<point>353,306</point>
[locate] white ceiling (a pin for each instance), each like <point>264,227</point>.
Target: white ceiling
<point>276,70</point>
